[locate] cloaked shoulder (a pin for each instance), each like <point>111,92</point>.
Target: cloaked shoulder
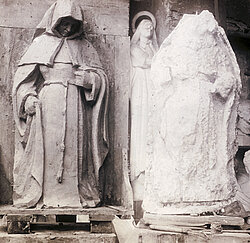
<point>85,52</point>
<point>40,50</point>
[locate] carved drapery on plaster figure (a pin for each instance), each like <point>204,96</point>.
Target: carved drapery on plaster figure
<point>60,96</point>
<point>243,178</point>
<point>143,47</point>
<point>193,120</point>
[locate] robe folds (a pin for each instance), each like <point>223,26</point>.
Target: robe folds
<point>141,55</point>
<point>61,148</point>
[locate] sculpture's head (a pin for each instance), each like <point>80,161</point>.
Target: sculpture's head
<point>68,26</point>
<point>146,28</point>
<point>63,19</point>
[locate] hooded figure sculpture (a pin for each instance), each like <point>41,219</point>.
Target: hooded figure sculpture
<point>60,96</point>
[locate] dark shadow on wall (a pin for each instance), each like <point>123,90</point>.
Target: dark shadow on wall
<point>5,185</point>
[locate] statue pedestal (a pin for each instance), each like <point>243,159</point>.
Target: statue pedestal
<point>95,220</point>
<point>187,228</point>
<point>58,237</point>
<point>189,220</point>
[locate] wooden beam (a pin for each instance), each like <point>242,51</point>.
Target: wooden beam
<point>187,220</point>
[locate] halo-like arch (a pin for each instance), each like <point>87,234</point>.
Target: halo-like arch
<point>143,13</point>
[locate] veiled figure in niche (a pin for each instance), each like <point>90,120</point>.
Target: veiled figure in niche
<point>143,47</point>
<point>243,179</point>
<point>60,96</point>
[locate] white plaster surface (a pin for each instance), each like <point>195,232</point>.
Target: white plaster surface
<point>192,120</point>
<point>243,178</point>
<point>143,47</point>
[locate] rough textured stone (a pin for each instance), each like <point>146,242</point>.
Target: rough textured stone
<point>100,16</point>
<point>13,43</point>
<point>243,125</point>
<point>169,12</point>
<point>193,120</point>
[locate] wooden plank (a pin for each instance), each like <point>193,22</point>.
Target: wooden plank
<point>19,217</point>
<point>63,211</point>
<point>156,219</point>
<point>43,219</point>
<point>126,213</point>
<point>82,219</point>
<point>58,237</point>
<point>176,229</point>
<point>236,231</point>
<point>101,218</point>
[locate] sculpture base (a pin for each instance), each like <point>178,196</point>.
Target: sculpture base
<point>194,237</point>
<point>58,237</point>
<point>189,220</point>
<point>187,228</point>
<point>96,220</point>
<point>187,207</point>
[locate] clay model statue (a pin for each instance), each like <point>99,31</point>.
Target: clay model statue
<point>243,178</point>
<point>60,98</point>
<point>193,120</point>
<point>143,47</point>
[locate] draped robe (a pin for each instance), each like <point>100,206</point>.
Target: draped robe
<point>67,136</point>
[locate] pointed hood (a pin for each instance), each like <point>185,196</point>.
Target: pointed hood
<point>48,41</point>
<point>54,15</point>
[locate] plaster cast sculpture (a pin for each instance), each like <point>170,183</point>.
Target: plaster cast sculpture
<point>243,178</point>
<point>193,120</point>
<point>143,47</point>
<point>60,98</point>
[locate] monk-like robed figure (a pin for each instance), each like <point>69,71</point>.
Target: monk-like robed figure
<point>60,98</point>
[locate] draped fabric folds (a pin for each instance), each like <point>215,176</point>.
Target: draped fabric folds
<point>67,136</point>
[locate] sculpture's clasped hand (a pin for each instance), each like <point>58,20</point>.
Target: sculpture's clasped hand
<point>30,105</point>
<point>82,78</point>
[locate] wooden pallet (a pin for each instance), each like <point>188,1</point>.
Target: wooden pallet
<point>191,223</point>
<point>190,220</point>
<point>96,220</point>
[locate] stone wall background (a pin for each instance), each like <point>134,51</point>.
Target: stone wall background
<point>169,12</point>
<point>107,28</point>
